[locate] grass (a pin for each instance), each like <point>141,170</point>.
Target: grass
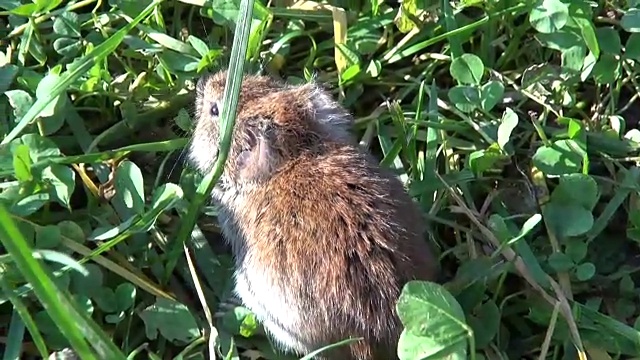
<point>513,124</point>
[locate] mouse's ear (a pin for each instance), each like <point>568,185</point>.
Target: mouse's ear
<point>258,158</point>
<point>326,111</point>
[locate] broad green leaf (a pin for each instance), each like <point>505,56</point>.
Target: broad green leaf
<point>582,15</point>
<point>560,40</point>
<point>567,220</point>
<point>549,16</point>
<point>61,180</point>
<point>585,271</point>
<point>22,163</point>
<point>467,69</point>
<point>434,322</point>
<point>465,98</point>
<point>365,36</point>
<point>7,74</point>
<point>48,5</point>
<point>175,61</point>
<point>632,47</point>
<point>228,12</point>
<point>606,70</point>
<point>132,7</point>
<point>491,94</point>
<point>67,47</point>
<point>168,42</point>
<point>164,198</point>
<point>576,249</point>
<point>579,189</point>
<point>129,185</point>
<point>25,10</point>
<point>471,271</point>
<point>44,89</point>
<point>20,101</point>
<point>573,59</point>
<point>349,54</point>
<point>560,262</point>
<point>72,231</point>
<point>508,122</point>
<point>54,123</point>
<point>405,21</point>
<point>350,73</point>
<point>562,157</point>
<point>88,284</point>
<point>103,233</point>
<point>374,68</point>
<point>485,323</point>
<point>48,328</point>
<point>106,300</point>
<point>485,159</point>
<point>30,204</point>
<point>199,45</point>
<point>609,40</point>
<point>499,227</point>
<point>631,21</point>
<point>41,147</point>
<point>114,318</point>
<point>67,24</point>
<point>125,296</point>
<point>183,120</point>
<point>171,319</point>
<point>575,130</point>
<point>627,285</point>
<point>48,237</point>
<point>240,321</point>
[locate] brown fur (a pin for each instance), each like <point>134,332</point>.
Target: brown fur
<point>301,201</point>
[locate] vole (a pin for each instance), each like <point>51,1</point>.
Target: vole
<point>323,238</point>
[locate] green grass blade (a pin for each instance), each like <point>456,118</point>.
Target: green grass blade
<point>228,116</point>
<point>58,305</point>
<point>20,308</point>
<point>450,23</point>
<point>98,54</point>
<point>14,337</point>
<point>46,291</point>
<point>413,49</point>
<point>115,154</point>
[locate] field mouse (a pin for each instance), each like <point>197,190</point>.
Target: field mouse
<point>323,237</point>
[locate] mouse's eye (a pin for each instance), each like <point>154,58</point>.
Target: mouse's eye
<point>214,110</point>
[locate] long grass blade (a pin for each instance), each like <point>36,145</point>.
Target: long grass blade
<point>228,116</point>
<point>71,323</point>
<point>14,337</point>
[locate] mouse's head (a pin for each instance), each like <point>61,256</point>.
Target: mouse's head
<point>275,123</point>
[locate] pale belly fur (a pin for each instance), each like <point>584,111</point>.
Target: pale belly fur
<point>279,317</point>
<point>255,288</point>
